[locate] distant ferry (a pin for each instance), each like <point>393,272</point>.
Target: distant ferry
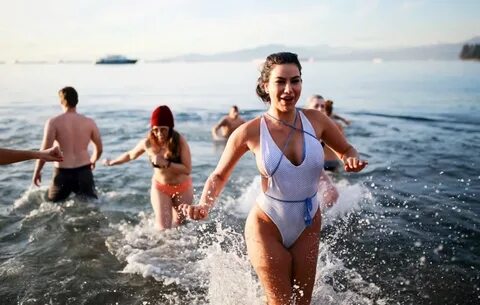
<point>115,59</point>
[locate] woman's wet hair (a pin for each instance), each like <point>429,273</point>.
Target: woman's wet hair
<point>328,107</point>
<point>173,144</point>
<point>270,62</point>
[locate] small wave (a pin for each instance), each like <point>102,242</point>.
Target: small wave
<point>31,198</point>
<point>449,118</point>
<point>402,117</point>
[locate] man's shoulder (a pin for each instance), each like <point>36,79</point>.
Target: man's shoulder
<point>86,119</point>
<point>55,119</point>
<point>224,120</point>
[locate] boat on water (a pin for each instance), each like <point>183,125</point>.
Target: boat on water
<point>115,60</point>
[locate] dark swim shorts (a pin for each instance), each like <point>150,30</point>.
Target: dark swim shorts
<point>67,180</point>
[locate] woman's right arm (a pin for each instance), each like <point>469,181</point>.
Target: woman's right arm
<point>235,148</point>
<point>127,156</point>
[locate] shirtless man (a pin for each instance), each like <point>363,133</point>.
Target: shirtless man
<point>72,132</point>
<point>227,124</point>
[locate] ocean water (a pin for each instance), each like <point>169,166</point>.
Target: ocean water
<point>406,230</point>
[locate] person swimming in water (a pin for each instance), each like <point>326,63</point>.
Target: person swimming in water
<point>282,231</point>
<point>171,160</point>
<point>227,125</point>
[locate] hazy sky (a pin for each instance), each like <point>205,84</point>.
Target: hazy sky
<point>86,29</point>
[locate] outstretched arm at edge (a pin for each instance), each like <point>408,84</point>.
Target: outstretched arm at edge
<point>130,155</point>
<point>8,156</point>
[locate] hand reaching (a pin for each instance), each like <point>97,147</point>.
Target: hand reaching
<point>354,165</point>
<point>107,162</point>
<point>52,154</point>
<point>195,212</point>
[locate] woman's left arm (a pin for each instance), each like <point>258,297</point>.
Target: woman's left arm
<point>332,136</point>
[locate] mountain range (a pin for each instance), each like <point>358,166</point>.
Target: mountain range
<point>441,51</point>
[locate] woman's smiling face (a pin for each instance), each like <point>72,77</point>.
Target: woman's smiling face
<point>284,86</point>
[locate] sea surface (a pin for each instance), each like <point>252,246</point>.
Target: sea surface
<point>406,230</point>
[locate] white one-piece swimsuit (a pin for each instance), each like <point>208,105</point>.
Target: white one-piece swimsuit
<point>290,199</point>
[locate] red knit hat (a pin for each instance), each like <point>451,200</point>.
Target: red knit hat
<point>162,116</point>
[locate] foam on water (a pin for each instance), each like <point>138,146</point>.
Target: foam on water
<point>230,276</point>
<point>350,197</point>
<point>166,256</point>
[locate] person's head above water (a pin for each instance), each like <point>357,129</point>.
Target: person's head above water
<point>316,102</point>
<point>162,118</point>
<point>233,112</point>
<point>328,109</point>
<point>270,62</point>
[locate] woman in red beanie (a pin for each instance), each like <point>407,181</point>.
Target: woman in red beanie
<point>170,156</point>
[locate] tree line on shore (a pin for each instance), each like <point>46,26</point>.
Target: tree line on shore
<point>470,51</point>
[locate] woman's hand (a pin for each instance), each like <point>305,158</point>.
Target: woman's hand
<point>107,162</point>
<point>352,164</point>
<point>195,212</point>
<point>160,161</point>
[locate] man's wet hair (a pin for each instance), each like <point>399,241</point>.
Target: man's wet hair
<point>70,95</point>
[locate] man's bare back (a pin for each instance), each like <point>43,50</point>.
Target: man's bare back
<point>73,133</point>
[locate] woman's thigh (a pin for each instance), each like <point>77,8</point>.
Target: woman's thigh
<point>162,207</point>
<point>181,198</point>
<point>270,259</point>
<point>304,255</point>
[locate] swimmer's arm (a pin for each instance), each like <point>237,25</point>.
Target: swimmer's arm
<point>216,127</point>
<point>130,155</point>
<point>186,166</point>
